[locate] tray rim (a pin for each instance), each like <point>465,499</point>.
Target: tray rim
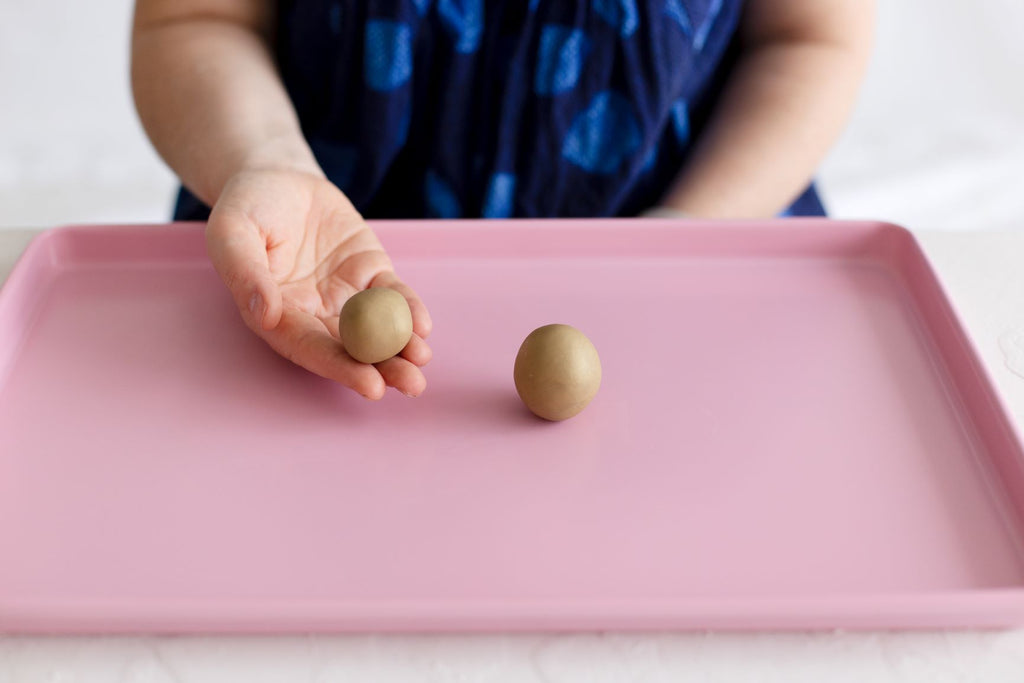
<point>994,608</point>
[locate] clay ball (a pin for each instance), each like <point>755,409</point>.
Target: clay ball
<point>375,324</point>
<point>557,372</point>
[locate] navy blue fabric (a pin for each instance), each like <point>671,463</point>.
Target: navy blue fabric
<point>504,108</point>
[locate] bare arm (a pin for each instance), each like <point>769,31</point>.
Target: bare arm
<point>208,93</point>
<point>786,102</point>
<point>288,244</point>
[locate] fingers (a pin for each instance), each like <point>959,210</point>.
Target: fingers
<point>239,254</point>
<point>304,340</point>
<point>417,351</point>
<point>421,322</point>
<point>403,375</point>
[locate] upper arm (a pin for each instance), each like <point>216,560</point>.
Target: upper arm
<point>256,15</point>
<point>843,23</point>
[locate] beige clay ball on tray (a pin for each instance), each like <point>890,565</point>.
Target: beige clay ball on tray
<point>557,372</point>
<point>375,324</point>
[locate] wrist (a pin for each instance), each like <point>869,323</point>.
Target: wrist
<point>280,154</point>
<point>273,155</point>
<point>662,211</point>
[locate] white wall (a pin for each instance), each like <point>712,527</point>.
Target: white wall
<point>71,148</point>
<point>937,141</point>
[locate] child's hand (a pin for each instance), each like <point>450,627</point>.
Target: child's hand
<point>292,249</point>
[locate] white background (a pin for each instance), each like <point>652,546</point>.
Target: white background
<point>937,142</point>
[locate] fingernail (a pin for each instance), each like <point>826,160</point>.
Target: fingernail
<point>256,305</point>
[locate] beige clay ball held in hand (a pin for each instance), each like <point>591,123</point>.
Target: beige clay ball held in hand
<point>375,324</point>
<point>557,372</point>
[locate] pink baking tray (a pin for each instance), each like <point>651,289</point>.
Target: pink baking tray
<point>793,432</point>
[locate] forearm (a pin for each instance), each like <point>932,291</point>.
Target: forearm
<point>785,104</point>
<point>210,99</point>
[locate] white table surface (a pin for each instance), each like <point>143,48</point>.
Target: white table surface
<point>984,273</point>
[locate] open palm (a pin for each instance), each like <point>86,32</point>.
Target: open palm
<point>292,249</point>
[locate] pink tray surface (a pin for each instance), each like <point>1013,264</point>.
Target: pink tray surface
<point>793,432</point>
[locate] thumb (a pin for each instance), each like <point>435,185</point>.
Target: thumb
<point>239,254</point>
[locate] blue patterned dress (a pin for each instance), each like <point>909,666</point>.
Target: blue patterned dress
<point>504,108</point>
